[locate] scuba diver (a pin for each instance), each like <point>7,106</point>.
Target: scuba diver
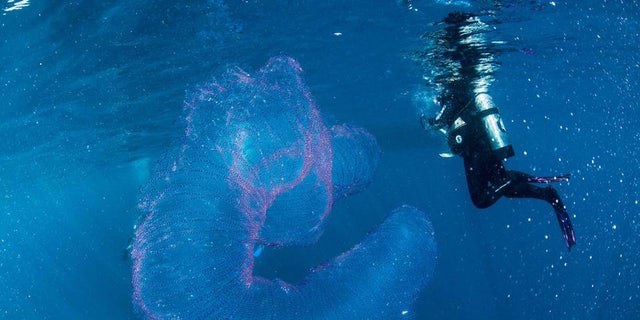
<point>472,122</point>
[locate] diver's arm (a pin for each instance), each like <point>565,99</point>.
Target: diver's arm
<point>440,120</point>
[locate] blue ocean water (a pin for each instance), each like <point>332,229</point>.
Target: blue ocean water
<point>93,90</point>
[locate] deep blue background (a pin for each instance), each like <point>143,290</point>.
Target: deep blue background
<point>91,90</point>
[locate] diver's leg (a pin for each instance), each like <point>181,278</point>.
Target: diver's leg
<point>479,177</point>
<point>550,195</point>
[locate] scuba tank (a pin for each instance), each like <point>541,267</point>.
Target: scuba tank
<point>480,129</point>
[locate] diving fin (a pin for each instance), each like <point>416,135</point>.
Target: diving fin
<point>559,178</point>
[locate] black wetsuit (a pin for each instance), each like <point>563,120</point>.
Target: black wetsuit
<point>461,118</point>
<point>488,180</point>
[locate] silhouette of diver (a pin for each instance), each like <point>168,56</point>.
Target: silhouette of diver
<point>473,125</point>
